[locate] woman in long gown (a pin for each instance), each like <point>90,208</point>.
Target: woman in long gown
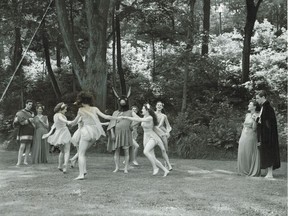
<point>151,138</point>
<point>40,146</point>
<point>248,153</point>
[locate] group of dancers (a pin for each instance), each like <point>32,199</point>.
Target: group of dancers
<point>258,145</point>
<point>121,130</point>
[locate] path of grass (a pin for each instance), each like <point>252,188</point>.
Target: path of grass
<point>194,187</point>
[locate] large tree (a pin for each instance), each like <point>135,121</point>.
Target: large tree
<point>91,72</point>
<point>251,8</point>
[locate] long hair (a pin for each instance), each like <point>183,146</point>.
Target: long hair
<point>152,113</point>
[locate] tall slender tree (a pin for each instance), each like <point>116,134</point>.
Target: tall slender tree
<point>206,27</point>
<point>251,15</point>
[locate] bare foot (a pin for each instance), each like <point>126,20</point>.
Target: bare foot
<point>25,163</point>
<point>155,171</point>
<point>116,170</point>
<point>166,172</point>
<point>72,163</point>
<point>125,171</point>
<point>18,164</point>
<point>135,163</point>
<point>79,178</point>
<point>269,177</point>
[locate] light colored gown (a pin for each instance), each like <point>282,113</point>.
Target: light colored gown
<point>248,153</point>
<point>40,146</point>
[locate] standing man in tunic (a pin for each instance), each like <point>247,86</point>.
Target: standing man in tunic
<point>268,136</point>
<point>24,120</point>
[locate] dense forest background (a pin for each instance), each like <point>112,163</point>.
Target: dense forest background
<point>204,59</point>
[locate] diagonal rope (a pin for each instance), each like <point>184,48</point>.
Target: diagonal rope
<point>24,54</point>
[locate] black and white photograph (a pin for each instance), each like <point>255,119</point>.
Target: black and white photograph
<point>143,107</point>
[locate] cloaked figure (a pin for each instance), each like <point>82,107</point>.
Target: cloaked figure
<point>120,134</point>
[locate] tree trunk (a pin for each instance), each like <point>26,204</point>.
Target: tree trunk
<point>206,27</point>
<point>92,74</point>
<point>119,55</point>
<point>189,48</point>
<point>58,52</point>
<point>48,64</point>
<point>154,59</point>
<point>248,31</point>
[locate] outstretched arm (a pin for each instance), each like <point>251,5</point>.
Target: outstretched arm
<point>138,119</point>
<point>109,117</point>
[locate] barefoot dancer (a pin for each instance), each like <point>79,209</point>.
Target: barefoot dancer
<point>150,138</point>
<point>61,137</point>
<point>165,127</point>
<point>120,132</point>
<point>91,130</point>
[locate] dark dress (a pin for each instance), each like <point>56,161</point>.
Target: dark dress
<point>40,146</point>
<point>269,149</point>
<point>123,133</point>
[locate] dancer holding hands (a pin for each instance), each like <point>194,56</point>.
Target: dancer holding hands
<point>150,138</point>
<point>91,129</point>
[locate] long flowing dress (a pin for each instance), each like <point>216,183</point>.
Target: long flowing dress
<point>248,153</point>
<point>40,146</point>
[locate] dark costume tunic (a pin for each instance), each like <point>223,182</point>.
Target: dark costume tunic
<point>122,130</point>
<point>269,149</point>
<point>26,130</point>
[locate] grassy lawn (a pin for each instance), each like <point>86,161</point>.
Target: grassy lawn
<point>194,187</point>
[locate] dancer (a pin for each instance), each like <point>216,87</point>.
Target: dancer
<point>24,121</point>
<point>150,138</point>
<point>120,134</point>
<point>40,146</point>
<point>165,127</point>
<point>269,148</point>
<point>75,141</point>
<point>135,146</point>
<point>61,137</point>
<point>248,162</point>
<point>91,129</point>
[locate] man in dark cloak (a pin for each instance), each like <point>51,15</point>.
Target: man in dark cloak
<point>268,135</point>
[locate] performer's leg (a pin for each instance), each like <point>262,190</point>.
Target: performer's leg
<point>60,159</point>
<point>269,172</point>
<point>135,152</point>
<point>83,146</point>
<point>27,151</point>
<point>20,153</point>
<point>126,156</point>
<point>66,156</point>
<point>74,159</point>
<point>165,156</point>
<point>117,159</point>
<point>160,165</point>
<point>148,152</point>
